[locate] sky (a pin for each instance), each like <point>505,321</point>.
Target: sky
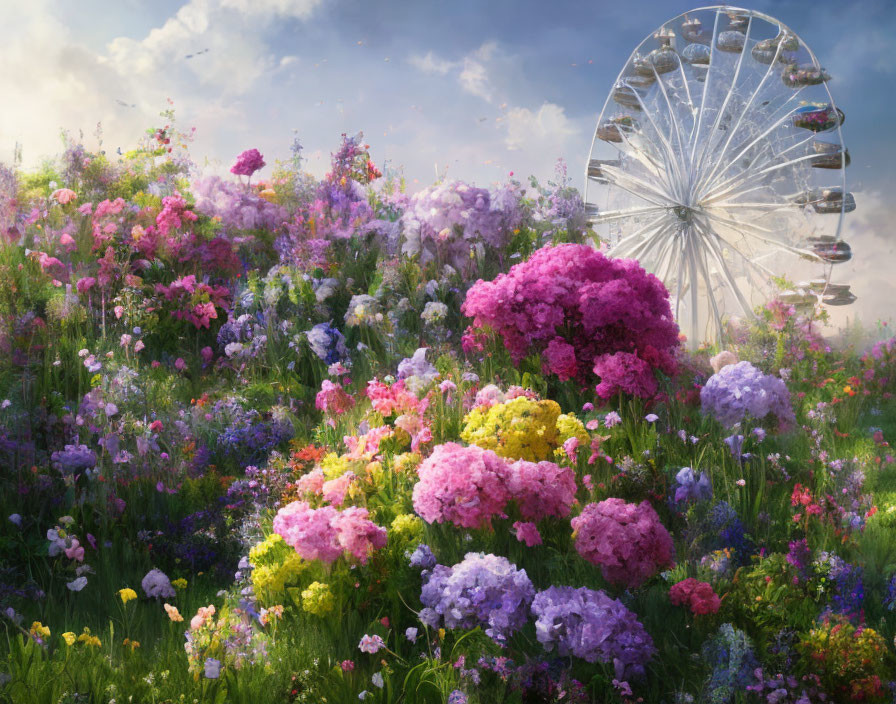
<point>471,89</point>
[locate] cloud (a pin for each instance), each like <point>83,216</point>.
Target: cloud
<point>429,63</point>
<point>548,124</point>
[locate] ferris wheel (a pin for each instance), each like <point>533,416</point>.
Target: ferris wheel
<point>718,162</point>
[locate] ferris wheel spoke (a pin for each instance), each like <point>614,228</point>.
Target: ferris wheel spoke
<point>698,125</point>
<point>775,125</point>
<point>710,293</point>
<point>713,242</point>
<point>631,183</point>
<point>611,215</point>
<point>708,143</point>
<point>711,198</point>
<point>672,111</point>
<point>743,112</point>
<point>755,169</point>
<point>762,234</point>
<point>672,162</point>
<point>628,239</point>
<point>647,243</point>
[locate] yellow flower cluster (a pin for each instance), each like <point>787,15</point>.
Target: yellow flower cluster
<point>179,583</point>
<point>406,528</point>
<point>335,465</point>
<point>407,462</point>
<point>88,639</point>
<point>519,429</point>
<point>127,595</point>
<point>277,566</point>
<point>39,630</point>
<point>318,599</point>
<point>569,426</point>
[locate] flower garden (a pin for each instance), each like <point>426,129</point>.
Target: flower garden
<point>330,440</point>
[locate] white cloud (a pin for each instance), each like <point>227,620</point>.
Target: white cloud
<point>429,63</point>
<point>546,126</point>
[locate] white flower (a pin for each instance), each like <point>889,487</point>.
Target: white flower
<point>78,584</point>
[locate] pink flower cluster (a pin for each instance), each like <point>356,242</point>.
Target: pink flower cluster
<point>247,163</point>
<point>391,399</point>
<point>585,313</point>
<point>333,399</point>
<point>698,596</point>
<point>326,533</point>
<point>197,302</point>
<point>627,541</point>
<point>173,214</point>
<point>469,486</point>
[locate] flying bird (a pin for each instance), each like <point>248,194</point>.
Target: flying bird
<point>124,104</point>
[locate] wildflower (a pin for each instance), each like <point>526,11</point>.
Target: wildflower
<point>527,533</point>
<point>212,668</point>
<point>411,634</point>
<point>612,418</point>
<point>651,417</point>
<point>698,596</point>
<point>156,584</point>
<point>173,613</point>
<point>371,644</point>
<point>77,584</point>
<point>69,638</point>
<point>377,680</point>
<point>318,599</point>
<point>127,595</point>
<point>347,665</point>
<point>247,163</point>
<point>89,639</point>
<point>39,631</point>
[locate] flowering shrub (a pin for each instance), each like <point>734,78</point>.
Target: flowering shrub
<point>466,486</point>
<point>541,489</point>
<point>699,597</point>
<point>592,626</point>
<point>521,428</point>
<point>740,390</point>
<point>627,541</point>
<point>586,314</point>
<point>325,533</point>
<point>482,590</point>
<point>447,221</point>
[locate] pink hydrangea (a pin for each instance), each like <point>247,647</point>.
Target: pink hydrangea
<point>576,307</point>
<point>627,541</point>
<point>699,597</point>
<point>247,163</point>
<point>466,486</point>
<point>334,490</point>
<point>325,533</point>
<point>332,398</point>
<point>388,399</point>
<point>311,483</point>
<point>357,534</point>
<point>541,489</point>
<point>309,531</point>
<point>527,533</point>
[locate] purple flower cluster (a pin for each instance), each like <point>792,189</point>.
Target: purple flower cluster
<point>73,459</point>
<point>740,390</point>
<point>237,207</point>
<point>690,487</point>
<point>444,222</point>
<point>586,314</point>
<point>482,590</point>
<point>327,343</point>
<point>592,626</point>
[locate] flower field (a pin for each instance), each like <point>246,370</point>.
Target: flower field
<point>327,440</point>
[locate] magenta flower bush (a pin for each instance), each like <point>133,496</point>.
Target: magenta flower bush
<point>248,163</point>
<point>627,541</point>
<point>541,489</point>
<point>585,314</point>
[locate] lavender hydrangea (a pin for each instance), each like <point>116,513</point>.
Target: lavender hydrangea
<point>327,343</point>
<point>74,459</point>
<point>482,590</point>
<point>740,390</point>
<point>592,626</point>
